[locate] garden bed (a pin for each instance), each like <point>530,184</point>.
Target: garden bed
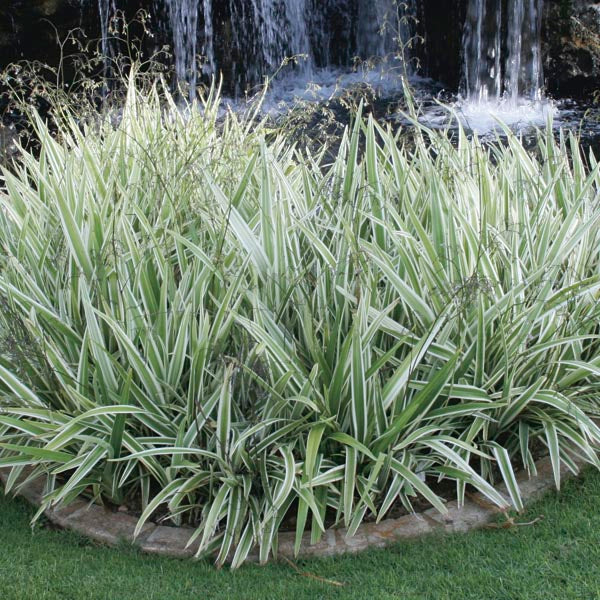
<point>114,527</point>
<point>208,323</point>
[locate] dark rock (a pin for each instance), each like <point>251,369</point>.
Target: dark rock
<point>31,29</point>
<point>571,47</point>
<point>439,47</point>
<point>8,143</point>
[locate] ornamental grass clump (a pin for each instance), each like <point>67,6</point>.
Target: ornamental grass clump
<point>214,327</point>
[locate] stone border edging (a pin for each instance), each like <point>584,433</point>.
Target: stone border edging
<point>102,525</point>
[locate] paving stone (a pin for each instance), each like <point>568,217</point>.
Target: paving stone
<point>458,520</point>
<point>353,544</point>
<point>170,541</point>
<point>112,527</point>
<point>534,487</point>
<point>61,515</point>
<point>105,526</point>
<point>33,492</point>
<point>326,546</point>
<point>389,531</point>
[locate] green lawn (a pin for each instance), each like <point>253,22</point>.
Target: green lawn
<point>558,558</point>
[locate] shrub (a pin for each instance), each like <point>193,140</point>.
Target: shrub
<point>207,323</point>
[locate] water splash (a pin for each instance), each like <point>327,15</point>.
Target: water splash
<point>503,78</point>
<point>483,50</point>
<point>324,84</point>
<point>503,67</point>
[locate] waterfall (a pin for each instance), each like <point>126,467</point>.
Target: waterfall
<point>383,27</point>
<point>373,37</point>
<point>251,39</point>
<point>498,66</point>
<point>265,32</point>
<point>524,64</point>
<point>208,48</point>
<point>271,33</point>
<point>283,31</point>
<point>299,41</point>
<point>483,50</point>
<point>183,17</point>
<point>106,9</point>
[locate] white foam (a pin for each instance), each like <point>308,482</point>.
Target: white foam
<point>489,116</point>
<point>319,85</point>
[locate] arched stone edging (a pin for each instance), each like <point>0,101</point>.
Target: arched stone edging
<point>102,525</point>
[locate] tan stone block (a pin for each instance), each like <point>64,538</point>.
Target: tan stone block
<point>105,526</point>
<point>355,543</point>
<point>33,492</point>
<point>392,530</point>
<point>61,515</point>
<point>170,541</point>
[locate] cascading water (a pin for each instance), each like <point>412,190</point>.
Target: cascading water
<point>283,27</point>
<point>248,40</point>
<point>489,77</point>
<point>334,34</point>
<point>524,65</point>
<point>208,48</point>
<point>251,39</point>
<point>483,50</point>
<point>385,25</point>
<point>375,37</point>
<point>106,10</point>
<point>502,74</point>
<point>266,32</point>
<point>183,17</point>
